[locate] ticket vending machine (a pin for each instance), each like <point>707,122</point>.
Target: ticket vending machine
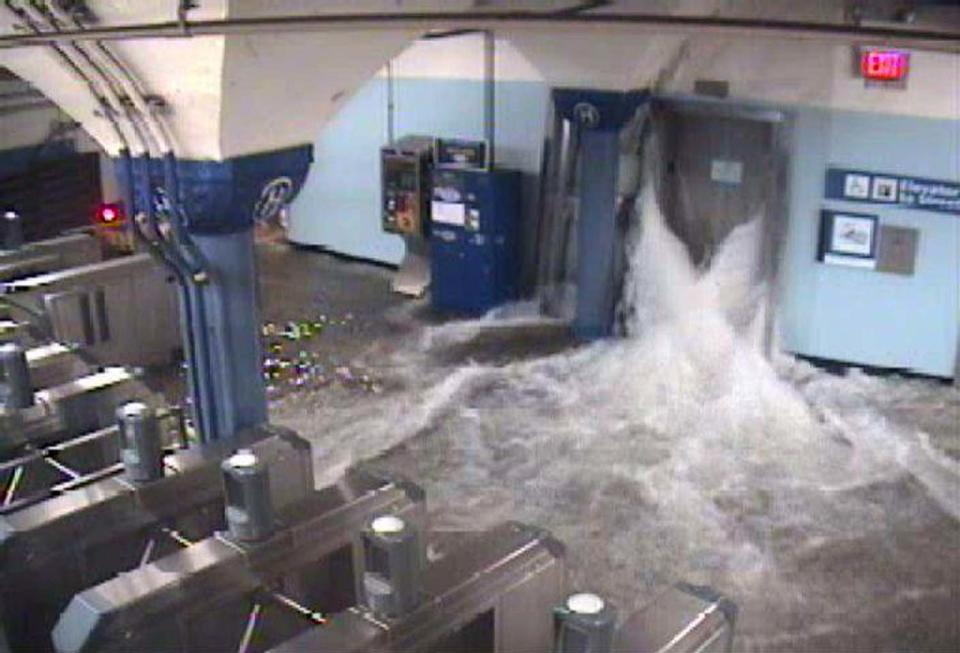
<point>405,167</point>
<point>475,238</point>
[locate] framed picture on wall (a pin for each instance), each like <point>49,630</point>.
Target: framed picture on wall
<point>848,238</point>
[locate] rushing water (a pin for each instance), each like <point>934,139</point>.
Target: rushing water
<point>681,451</point>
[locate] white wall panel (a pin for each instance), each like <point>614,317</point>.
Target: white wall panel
<point>279,91</point>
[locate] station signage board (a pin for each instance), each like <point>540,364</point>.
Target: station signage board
<point>893,190</point>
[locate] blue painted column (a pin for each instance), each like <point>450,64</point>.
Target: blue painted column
<point>232,324</point>
<point>598,116</point>
<point>222,202</point>
<point>597,233</point>
<point>211,207</point>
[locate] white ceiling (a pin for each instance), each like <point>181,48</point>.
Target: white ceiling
<point>238,94</point>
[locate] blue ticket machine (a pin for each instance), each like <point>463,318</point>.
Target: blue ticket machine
<point>475,239</point>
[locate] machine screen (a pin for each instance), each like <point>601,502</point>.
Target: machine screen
<point>401,175</point>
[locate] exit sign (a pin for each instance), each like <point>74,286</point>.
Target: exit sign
<point>884,66</point>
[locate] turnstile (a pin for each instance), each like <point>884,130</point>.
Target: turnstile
<point>58,539</point>
<point>122,311</point>
<point>204,596</point>
<point>492,591</point>
<point>49,255</point>
<point>68,409</point>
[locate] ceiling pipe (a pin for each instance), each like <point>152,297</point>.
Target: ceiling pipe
<point>427,21</point>
<point>177,249</point>
<point>489,95</point>
<point>107,88</point>
<point>587,5</point>
<point>22,95</point>
<point>8,109</point>
<point>431,36</point>
<point>100,58</point>
<point>110,68</point>
<point>75,52</point>
<point>76,69</point>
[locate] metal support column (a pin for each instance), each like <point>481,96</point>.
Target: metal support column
<point>597,118</point>
<point>597,233</point>
<point>211,217</point>
<point>232,329</point>
<point>490,94</point>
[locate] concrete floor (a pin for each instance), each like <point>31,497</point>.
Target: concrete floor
<point>826,507</point>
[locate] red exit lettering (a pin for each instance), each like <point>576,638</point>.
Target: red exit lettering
<point>884,65</point>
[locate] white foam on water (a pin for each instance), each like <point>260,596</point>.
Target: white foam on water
<point>728,462</point>
<point>351,431</point>
<point>680,451</point>
<point>515,314</point>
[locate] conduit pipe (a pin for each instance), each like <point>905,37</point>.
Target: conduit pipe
<point>184,251</point>
<point>102,59</point>
<point>72,66</point>
<point>483,20</point>
<point>191,266</point>
<point>103,89</point>
<point>489,95</point>
<point>88,68</point>
<point>107,62</point>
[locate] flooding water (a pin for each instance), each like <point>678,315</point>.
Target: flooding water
<point>680,451</point>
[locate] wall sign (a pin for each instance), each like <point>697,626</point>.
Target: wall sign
<point>274,195</point>
<point>884,65</point>
<point>848,239</point>
<point>460,153</point>
<point>726,172</point>
<point>893,190</point>
<point>897,250</point>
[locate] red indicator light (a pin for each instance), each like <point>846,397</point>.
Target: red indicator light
<point>109,214</point>
<point>884,65</point>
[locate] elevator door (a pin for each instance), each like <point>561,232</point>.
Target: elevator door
<point>717,172</point>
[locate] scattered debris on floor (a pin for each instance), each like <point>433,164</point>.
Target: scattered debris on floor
<point>679,451</point>
<point>292,362</point>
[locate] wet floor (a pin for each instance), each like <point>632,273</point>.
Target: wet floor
<point>826,507</point>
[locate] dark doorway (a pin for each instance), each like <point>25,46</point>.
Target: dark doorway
<point>719,169</point>
<point>720,166</point>
<point>54,195</point>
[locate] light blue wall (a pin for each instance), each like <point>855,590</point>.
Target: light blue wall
<point>846,314</point>
<point>857,315</point>
<point>339,206</point>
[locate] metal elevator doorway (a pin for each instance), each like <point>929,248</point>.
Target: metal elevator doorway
<point>719,166</point>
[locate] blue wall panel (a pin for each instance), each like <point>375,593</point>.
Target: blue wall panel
<point>339,206</point>
<point>18,160</point>
<point>860,315</point>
